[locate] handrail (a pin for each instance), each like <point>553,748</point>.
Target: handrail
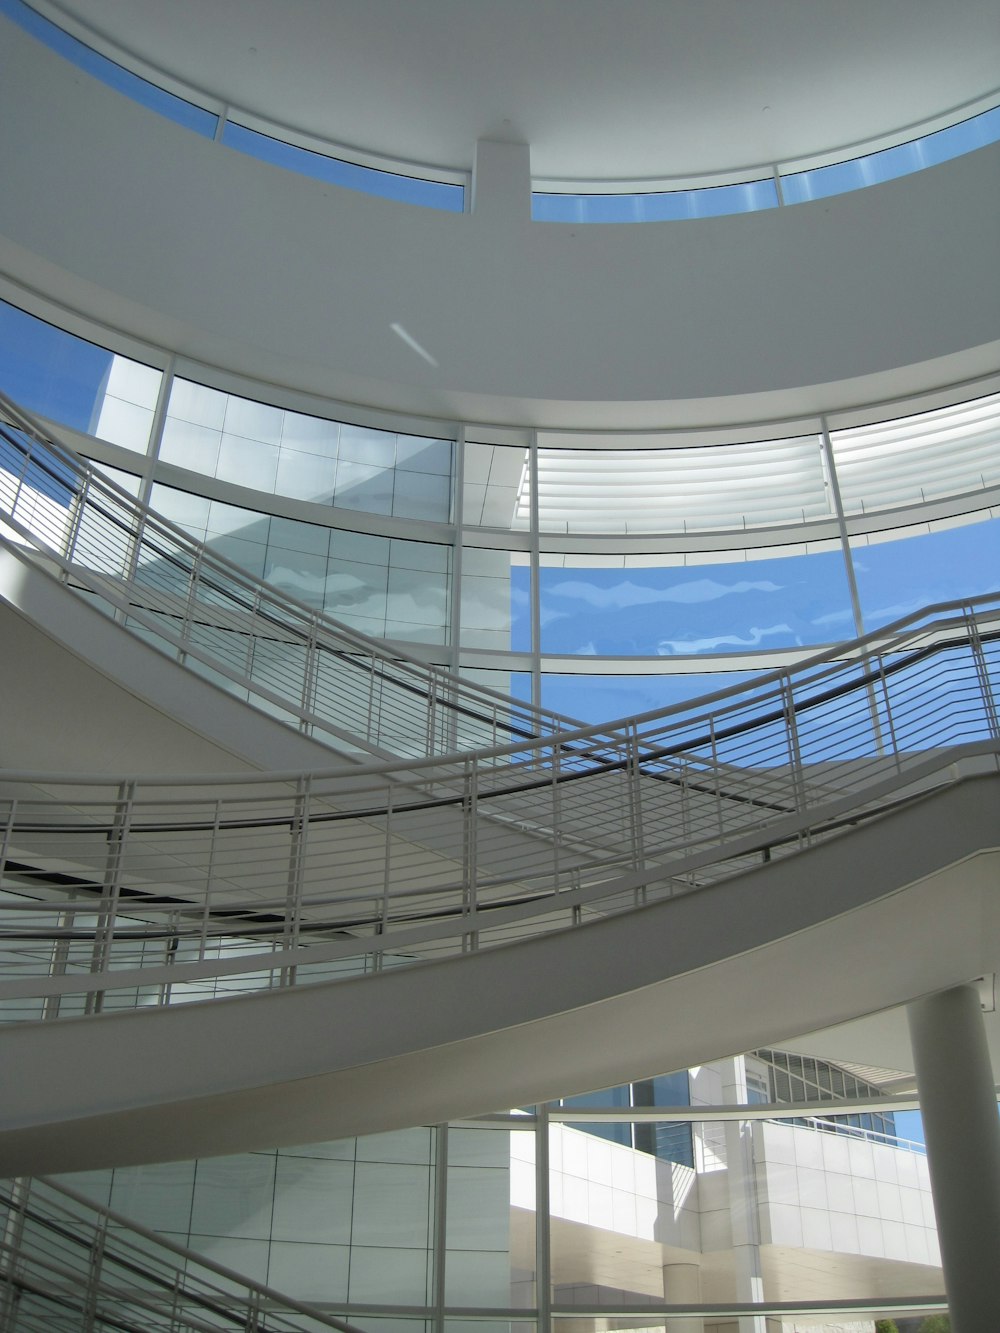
<point>352,690</point>
<point>142,893</point>
<point>60,1251</point>
<point>836,1124</point>
<point>132,890</point>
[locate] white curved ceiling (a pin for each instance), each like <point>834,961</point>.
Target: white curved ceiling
<point>601,89</point>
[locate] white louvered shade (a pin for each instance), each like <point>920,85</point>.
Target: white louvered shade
<point>682,489</point>
<point>950,451</point>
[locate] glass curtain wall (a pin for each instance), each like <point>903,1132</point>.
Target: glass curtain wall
<point>458,1224</point>
<point>603,580</point>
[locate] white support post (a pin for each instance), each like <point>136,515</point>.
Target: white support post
<point>743,1203</point>
<point>962,1131</point>
<point>682,1286</point>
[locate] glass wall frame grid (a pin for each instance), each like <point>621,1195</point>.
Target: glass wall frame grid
<point>837,529</point>
<point>253,1211</point>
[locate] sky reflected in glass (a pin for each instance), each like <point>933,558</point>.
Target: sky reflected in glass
<point>899,577</point>
<point>683,610</point>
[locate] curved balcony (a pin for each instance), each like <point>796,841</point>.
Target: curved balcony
<point>174,899</point>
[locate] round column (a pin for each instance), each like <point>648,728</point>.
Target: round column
<point>962,1131</point>
<point>682,1284</point>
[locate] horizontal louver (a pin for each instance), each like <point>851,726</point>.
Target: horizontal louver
<point>946,452</point>
<point>680,490</point>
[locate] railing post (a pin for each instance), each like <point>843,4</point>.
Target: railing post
<point>11,1240</point>
<point>430,724</point>
<point>136,537</point>
<point>373,676</point>
<point>296,874</point>
<point>794,749</point>
<point>634,777</point>
<point>25,465</point>
<point>983,675</point>
<point>94,1270</point>
<point>60,958</point>
<point>556,816</point>
<point>80,502</point>
<point>386,877</point>
<point>194,582</point>
<point>717,776</point>
<point>252,1323</point>
<point>894,744</point>
<point>111,891</point>
<point>310,678</point>
<point>470,891</point>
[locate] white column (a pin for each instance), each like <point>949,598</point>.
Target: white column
<point>743,1205</point>
<point>962,1131</point>
<point>682,1284</point>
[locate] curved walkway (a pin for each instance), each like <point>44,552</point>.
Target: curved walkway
<point>900,907</point>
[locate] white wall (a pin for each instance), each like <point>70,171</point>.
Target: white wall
<point>829,1192</point>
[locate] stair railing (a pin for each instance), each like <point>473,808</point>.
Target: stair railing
<point>152,891</point>
<point>329,681</point>
<point>67,1261</point>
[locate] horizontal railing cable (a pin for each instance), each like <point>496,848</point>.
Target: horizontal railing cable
<point>154,890</point>
<point>62,1252</point>
<point>119,550</point>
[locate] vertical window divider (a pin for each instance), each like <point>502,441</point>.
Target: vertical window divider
<point>543,1211</point>
<point>458,520</point>
<point>152,458</point>
<point>852,581</point>
<point>534,590</point>
<point>838,508</point>
<point>439,1252</point>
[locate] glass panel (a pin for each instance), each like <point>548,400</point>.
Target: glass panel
<point>478,1264</point>
<point>494,597</point>
<point>350,175</point>
<point>732,607</point>
<point>75,382</point>
<point>941,146</point>
<point>234,1197</point>
<point>419,589</point>
<point>122,80</point>
<point>308,458</point>
<point>495,492</point>
<point>380,586</point>
<point>902,575</point>
<point>600,698</point>
<point>659,206</point>
<point>619,1220</point>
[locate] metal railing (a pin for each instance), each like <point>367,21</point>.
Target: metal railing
<point>834,1124</point>
<point>154,891</point>
<point>67,1263</point>
<point>331,682</point>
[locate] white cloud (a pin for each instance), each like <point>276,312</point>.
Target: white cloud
<point>756,636</point>
<point>835,617</point>
<point>634,594</point>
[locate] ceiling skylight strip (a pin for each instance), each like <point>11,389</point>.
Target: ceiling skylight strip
<point>793,187</point>
<point>122,80</point>
<point>425,192</point>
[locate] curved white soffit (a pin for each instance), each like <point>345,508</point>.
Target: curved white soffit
<point>803,943</point>
<point>869,295</point>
